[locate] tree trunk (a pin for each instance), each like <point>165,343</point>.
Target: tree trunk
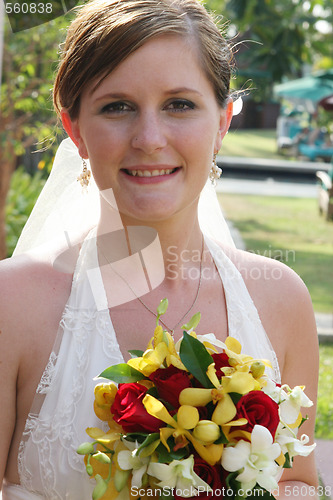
<point>6,170</point>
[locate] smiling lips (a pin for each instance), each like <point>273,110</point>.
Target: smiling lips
<point>150,173</point>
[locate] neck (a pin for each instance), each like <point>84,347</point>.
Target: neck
<point>178,240</point>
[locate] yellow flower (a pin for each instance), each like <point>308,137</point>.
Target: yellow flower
<point>161,352</point>
<point>187,418</point>
<point>104,397</point>
<point>206,431</point>
<point>151,360</point>
<point>243,362</point>
<point>108,438</point>
<point>225,410</point>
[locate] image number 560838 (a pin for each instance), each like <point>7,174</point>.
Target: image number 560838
<point>23,14</point>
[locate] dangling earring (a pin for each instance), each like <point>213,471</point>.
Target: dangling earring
<point>85,175</point>
<point>215,172</point>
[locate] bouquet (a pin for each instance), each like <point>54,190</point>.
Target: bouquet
<point>192,418</point>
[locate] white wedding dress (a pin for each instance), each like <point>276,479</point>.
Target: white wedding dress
<point>49,466</point>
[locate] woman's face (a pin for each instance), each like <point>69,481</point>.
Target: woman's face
<point>150,129</point>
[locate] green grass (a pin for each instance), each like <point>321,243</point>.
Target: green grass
<point>251,144</point>
<point>291,230</point>
<point>324,428</point>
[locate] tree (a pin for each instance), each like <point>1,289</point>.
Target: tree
<point>27,117</point>
<point>275,39</point>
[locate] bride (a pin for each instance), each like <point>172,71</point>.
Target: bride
<point>143,94</point>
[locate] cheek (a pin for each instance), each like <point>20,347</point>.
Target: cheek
<point>202,137</point>
<point>102,137</point>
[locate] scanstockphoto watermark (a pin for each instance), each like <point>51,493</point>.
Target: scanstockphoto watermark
<point>189,265</point>
<point>290,491</point>
<point>189,492</point>
<point>26,14</point>
<point>282,255</point>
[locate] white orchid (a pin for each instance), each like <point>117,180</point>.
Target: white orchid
<point>254,461</point>
<point>179,475</point>
<point>129,460</point>
<point>290,400</point>
<point>291,406</point>
<point>274,391</point>
<point>289,443</point>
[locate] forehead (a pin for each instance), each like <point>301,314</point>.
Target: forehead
<point>168,61</point>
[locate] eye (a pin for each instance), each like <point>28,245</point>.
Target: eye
<point>180,105</point>
<point>116,107</point>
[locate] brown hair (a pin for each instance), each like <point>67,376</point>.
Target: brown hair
<point>105,32</point>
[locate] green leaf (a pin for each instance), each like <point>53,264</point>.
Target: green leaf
<point>222,439</point>
<point>193,323</point>
<point>233,484</point>
<point>135,436</point>
<point>122,373</point>
<point>304,419</point>
<point>288,463</point>
<point>261,493</point>
<point>164,456</point>
<point>196,359</point>
<point>166,494</point>
<point>161,309</point>
<point>235,396</point>
<point>154,392</point>
<point>136,353</point>
<point>149,439</point>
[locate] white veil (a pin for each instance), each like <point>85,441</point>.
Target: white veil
<point>62,210</point>
<point>65,213</point>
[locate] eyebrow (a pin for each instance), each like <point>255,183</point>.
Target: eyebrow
<point>122,95</point>
<point>181,90</point>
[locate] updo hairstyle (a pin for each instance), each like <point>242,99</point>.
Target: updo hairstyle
<point>105,32</point>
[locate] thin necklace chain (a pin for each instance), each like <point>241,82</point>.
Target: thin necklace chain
<point>172,330</point>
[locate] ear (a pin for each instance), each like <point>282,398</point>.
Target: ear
<point>225,120</point>
<point>73,130</point>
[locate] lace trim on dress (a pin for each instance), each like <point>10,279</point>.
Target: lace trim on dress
<point>60,425</point>
<point>45,381</point>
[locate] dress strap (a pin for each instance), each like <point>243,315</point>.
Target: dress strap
<point>243,317</point>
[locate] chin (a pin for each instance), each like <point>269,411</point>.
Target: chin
<point>149,212</point>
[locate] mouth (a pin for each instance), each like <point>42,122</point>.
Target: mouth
<point>150,173</point>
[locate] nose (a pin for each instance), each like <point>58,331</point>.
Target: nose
<point>149,134</point>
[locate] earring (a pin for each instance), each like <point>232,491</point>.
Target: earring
<point>215,171</point>
<point>85,175</point>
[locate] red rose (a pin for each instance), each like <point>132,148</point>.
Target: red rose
<point>221,360</point>
<point>258,408</point>
<point>129,411</point>
<point>213,476</point>
<point>170,382</point>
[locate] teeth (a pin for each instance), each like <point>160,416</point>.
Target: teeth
<point>150,173</point>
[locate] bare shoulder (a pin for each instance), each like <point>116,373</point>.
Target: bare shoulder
<point>33,296</point>
<point>29,283</point>
<point>264,275</point>
<point>281,298</point>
